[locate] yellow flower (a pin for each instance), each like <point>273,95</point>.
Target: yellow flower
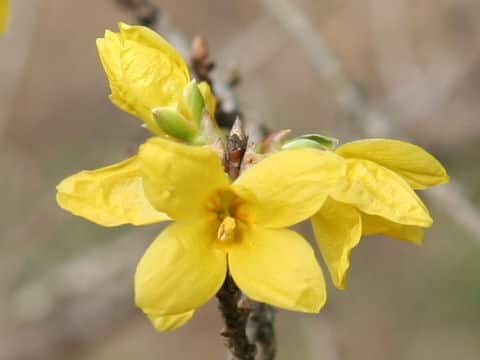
<point>219,225</point>
<point>145,72</point>
<point>376,197</point>
<point>4,14</point>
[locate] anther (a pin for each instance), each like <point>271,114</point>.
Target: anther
<point>226,229</point>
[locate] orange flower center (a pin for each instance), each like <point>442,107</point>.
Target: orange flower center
<point>226,207</point>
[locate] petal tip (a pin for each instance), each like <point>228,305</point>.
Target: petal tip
<point>168,323</point>
<point>312,299</point>
<point>340,282</point>
<point>123,25</point>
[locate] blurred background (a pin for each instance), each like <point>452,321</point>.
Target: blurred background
<point>350,69</point>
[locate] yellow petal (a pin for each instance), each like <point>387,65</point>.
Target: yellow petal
<point>4,14</point>
<point>337,228</point>
<point>419,168</point>
<point>377,190</point>
<point>289,186</point>
<point>123,95</point>
<point>155,68</point>
<point>170,322</point>
<point>180,271</point>
<point>208,97</point>
<point>278,267</point>
<point>109,196</point>
<point>373,225</point>
<point>181,179</point>
<point>144,71</point>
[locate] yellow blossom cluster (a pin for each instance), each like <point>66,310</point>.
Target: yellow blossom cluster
<point>240,227</point>
<point>4,14</point>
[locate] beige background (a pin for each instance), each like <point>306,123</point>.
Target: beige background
<point>66,284</point>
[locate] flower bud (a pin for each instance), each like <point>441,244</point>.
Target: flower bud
<point>194,102</point>
<point>174,124</point>
<point>144,71</point>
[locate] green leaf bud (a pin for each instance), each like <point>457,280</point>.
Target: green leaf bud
<point>174,124</point>
<point>194,101</point>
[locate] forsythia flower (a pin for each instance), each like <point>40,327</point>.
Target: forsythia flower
<point>218,225</point>
<point>375,197</point>
<point>362,188</point>
<point>145,72</point>
<point>4,14</point>
<point>238,226</point>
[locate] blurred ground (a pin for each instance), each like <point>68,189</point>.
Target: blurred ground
<point>419,61</point>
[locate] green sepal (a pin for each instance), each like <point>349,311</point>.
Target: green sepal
<point>174,124</point>
<point>302,143</point>
<point>316,141</point>
<point>326,141</point>
<point>194,101</point>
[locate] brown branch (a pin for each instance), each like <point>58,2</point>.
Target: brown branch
<point>261,331</point>
<point>237,158</point>
<point>229,296</point>
<point>145,12</point>
<point>201,63</point>
<point>202,66</point>
<point>235,319</point>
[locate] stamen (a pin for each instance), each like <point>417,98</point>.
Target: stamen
<point>226,229</point>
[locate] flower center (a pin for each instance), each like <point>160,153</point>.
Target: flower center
<point>226,210</point>
<point>226,230</point>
